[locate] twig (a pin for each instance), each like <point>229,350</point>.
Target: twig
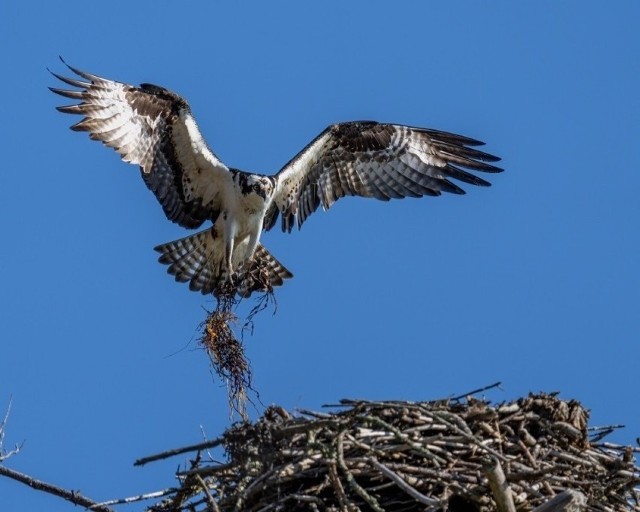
<point>439,416</point>
<point>4,455</point>
<point>567,501</point>
<point>404,438</point>
<point>499,487</point>
<point>476,391</point>
<point>253,484</point>
<point>177,451</point>
<point>133,499</point>
<point>614,446</point>
<point>345,504</point>
<point>204,470</point>
<point>212,503</point>
<point>599,433</point>
<point>73,496</point>
<point>3,424</point>
<point>242,485</point>
<point>359,490</point>
<point>418,496</point>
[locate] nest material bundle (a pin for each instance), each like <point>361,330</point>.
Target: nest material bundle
<point>414,456</point>
<point>226,350</point>
<point>228,360</point>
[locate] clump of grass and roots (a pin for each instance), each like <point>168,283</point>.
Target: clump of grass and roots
<point>226,351</point>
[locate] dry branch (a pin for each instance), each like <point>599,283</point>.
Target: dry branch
<point>499,486</point>
<point>177,451</point>
<point>72,496</point>
<point>567,501</point>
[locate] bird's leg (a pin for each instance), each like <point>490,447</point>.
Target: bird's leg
<point>230,229</point>
<point>228,256</point>
<point>253,243</point>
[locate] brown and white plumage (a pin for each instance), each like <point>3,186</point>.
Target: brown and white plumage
<point>190,260</point>
<point>152,127</point>
<point>370,159</point>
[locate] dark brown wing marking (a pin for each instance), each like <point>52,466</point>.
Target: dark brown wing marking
<point>370,159</point>
<point>152,127</point>
<point>198,260</point>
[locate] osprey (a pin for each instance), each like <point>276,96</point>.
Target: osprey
<point>154,128</point>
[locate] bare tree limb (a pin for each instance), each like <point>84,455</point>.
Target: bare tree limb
<point>212,503</point>
<point>72,496</point>
<point>499,486</point>
<point>133,499</point>
<point>177,451</point>
<point>479,390</point>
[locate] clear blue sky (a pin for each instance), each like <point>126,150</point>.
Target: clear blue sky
<point>534,281</point>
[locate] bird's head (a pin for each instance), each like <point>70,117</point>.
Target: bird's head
<point>260,185</point>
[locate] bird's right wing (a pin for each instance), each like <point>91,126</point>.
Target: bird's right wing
<point>152,127</point>
<point>378,160</point>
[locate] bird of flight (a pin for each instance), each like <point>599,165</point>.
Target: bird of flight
<point>154,128</point>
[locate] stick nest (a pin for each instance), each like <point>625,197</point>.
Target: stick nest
<point>412,456</point>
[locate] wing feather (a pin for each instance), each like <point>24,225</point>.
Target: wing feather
<point>383,161</point>
<point>153,128</point>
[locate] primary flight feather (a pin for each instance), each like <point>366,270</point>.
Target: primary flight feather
<point>154,128</point>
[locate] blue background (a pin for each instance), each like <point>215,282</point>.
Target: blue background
<point>534,281</point>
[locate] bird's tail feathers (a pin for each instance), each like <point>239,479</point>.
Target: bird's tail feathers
<point>199,260</point>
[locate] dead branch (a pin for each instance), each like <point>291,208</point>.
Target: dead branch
<point>476,391</point>
<point>178,451</point>
<point>72,496</point>
<point>567,501</point>
<point>132,499</point>
<point>212,503</point>
<point>499,486</point>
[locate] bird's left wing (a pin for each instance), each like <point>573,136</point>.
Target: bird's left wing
<point>370,159</point>
<point>152,127</point>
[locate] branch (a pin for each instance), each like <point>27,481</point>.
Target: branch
<point>3,454</point>
<point>567,501</point>
<point>177,451</point>
<point>476,391</point>
<point>140,497</point>
<point>357,488</point>
<point>212,503</point>
<point>416,495</point>
<point>73,496</point>
<point>499,487</point>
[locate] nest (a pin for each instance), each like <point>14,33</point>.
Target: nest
<point>458,455</point>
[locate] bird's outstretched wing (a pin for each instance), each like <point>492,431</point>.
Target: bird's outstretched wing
<point>370,159</point>
<point>152,127</point>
